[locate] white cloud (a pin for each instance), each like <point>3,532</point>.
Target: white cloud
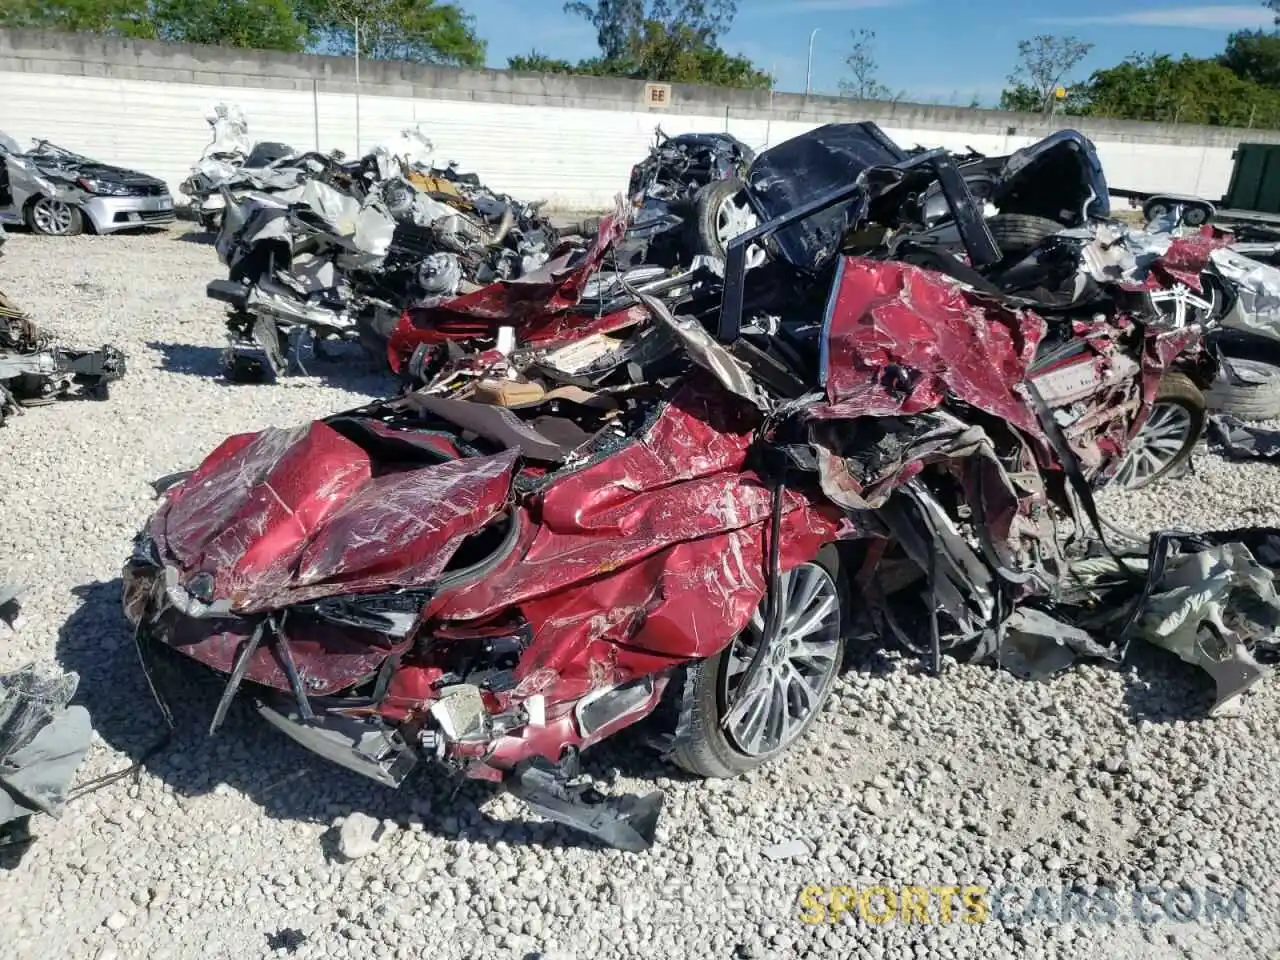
<point>1207,17</point>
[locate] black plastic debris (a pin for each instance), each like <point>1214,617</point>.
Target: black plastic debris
<point>288,939</point>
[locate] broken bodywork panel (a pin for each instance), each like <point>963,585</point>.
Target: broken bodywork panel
<point>43,741</point>
<point>34,370</point>
<point>585,511</point>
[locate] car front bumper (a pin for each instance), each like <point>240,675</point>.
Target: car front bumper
<point>110,214</point>
<point>367,747</point>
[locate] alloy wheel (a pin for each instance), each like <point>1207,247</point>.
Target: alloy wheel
<point>1158,443</point>
<point>52,217</point>
<point>1181,305</point>
<point>801,659</point>
<point>735,217</point>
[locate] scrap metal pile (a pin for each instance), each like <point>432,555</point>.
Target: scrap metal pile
<point>324,250</point>
<point>34,370</point>
<point>678,493</point>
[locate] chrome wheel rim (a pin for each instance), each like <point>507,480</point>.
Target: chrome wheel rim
<point>1158,443</point>
<point>1181,305</point>
<point>52,216</point>
<point>733,218</point>
<point>801,659</point>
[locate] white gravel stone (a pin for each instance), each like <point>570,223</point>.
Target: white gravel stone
<point>1098,777</point>
<point>360,835</point>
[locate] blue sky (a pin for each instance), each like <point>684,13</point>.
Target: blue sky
<point>936,50</point>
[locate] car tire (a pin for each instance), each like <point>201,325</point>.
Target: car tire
<point>1017,234</point>
<point>704,745</point>
<point>1194,215</point>
<point>708,205</point>
<point>1252,394</point>
<point>1178,401</point>
<point>54,218</point>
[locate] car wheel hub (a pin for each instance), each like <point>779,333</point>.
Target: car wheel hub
<point>1181,305</point>
<point>52,216</point>
<point>735,217</point>
<point>1160,440</point>
<point>800,659</point>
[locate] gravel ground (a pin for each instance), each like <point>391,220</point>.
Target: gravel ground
<point>1100,777</point>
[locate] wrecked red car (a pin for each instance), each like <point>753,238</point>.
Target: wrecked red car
<point>680,507</point>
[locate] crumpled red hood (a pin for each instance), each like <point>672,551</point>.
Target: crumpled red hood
<point>901,338</point>
<point>286,516</point>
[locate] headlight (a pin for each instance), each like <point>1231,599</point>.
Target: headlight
<point>393,614</point>
<point>104,188</point>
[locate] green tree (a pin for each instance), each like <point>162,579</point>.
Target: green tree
<point>1254,55</point>
<point>260,24</point>
<point>863,83</point>
<point>670,40</point>
<point>1021,99</point>
<point>679,54</point>
<point>535,62</point>
<point>1186,90</point>
<point>621,25</point>
<point>129,18</point>
<point>425,31</point>
<point>1044,62</point>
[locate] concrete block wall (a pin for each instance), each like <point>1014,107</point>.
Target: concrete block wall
<point>569,140</point>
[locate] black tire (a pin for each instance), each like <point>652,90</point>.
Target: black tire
<point>1180,390</point>
<point>1255,395</point>
<point>1155,210</point>
<point>1195,216</point>
<point>706,748</point>
<point>706,239</point>
<point>1017,234</point>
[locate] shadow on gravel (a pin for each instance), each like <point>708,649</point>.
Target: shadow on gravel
<point>197,237</point>
<point>288,782</point>
<point>346,367</point>
<point>1162,688</point>
<point>190,359</point>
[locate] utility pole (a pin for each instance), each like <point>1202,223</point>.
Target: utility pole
<point>356,21</point>
<point>808,71</point>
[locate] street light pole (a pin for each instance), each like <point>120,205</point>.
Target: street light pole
<point>808,71</point>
